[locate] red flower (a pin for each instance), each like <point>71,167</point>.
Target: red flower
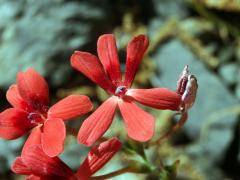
<point>37,165</point>
<point>107,74</point>
<point>29,98</point>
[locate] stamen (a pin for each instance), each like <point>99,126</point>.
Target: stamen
<point>35,118</point>
<point>120,90</point>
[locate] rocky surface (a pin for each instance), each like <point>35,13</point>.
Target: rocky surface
<point>42,35</point>
<point>209,126</point>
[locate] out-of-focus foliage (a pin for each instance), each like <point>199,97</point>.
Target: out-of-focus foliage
<point>225,5</point>
<point>205,34</point>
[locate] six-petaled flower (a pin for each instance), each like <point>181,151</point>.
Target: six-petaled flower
<point>106,73</point>
<point>37,165</point>
<point>29,98</point>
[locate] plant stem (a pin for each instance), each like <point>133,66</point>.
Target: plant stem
<point>177,126</point>
<point>115,173</point>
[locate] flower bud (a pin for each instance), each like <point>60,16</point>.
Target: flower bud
<point>187,87</point>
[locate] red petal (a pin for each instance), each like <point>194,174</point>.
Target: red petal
<point>33,177</point>
<point>91,67</point>
<point>14,123</point>
<point>135,51</point>
<point>108,54</point>
<point>33,139</point>
<point>140,124</point>
<point>53,136</point>
<point>160,98</point>
<point>19,167</point>
<point>71,107</point>
<point>97,123</point>
<point>33,88</point>
<point>98,157</point>
<point>16,100</point>
<point>43,165</point>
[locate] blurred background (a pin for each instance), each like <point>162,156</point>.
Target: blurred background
<point>205,34</point>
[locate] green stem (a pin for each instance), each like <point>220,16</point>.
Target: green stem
<point>177,126</point>
<point>115,173</point>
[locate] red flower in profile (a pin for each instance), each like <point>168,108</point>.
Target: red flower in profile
<point>106,73</point>
<point>29,98</point>
<point>37,165</point>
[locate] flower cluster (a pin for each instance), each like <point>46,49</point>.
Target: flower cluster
<point>31,111</point>
<point>36,164</point>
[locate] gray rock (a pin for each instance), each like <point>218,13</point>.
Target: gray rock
<point>206,123</point>
<point>237,91</point>
<point>170,8</point>
<point>74,153</point>
<point>226,53</point>
<point>42,35</point>
<point>229,73</point>
<point>9,151</point>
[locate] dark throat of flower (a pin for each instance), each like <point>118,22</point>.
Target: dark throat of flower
<point>36,118</point>
<point>120,91</point>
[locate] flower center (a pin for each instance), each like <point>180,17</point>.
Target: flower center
<point>39,106</point>
<point>35,118</point>
<point>120,91</point>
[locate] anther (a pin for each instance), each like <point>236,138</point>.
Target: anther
<point>120,90</point>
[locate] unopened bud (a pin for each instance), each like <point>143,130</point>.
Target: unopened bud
<point>182,80</point>
<point>187,87</point>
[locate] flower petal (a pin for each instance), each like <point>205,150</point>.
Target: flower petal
<point>33,177</point>
<point>19,167</point>
<point>160,98</point>
<point>91,67</point>
<point>135,52</point>
<point>98,157</point>
<point>43,165</point>
<point>33,139</point>
<point>53,136</point>
<point>14,123</point>
<point>108,55</point>
<point>97,123</point>
<point>140,124</point>
<point>16,100</point>
<point>71,107</point>
<point>33,89</point>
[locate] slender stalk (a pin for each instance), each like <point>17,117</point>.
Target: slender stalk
<point>115,173</point>
<point>71,131</point>
<point>177,126</point>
